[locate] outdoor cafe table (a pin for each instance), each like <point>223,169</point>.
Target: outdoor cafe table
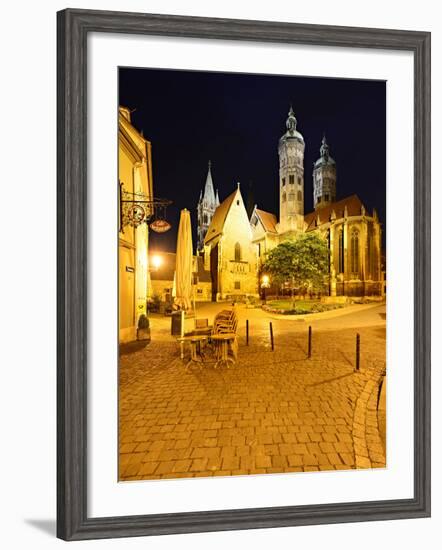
<point>195,346</point>
<point>224,339</point>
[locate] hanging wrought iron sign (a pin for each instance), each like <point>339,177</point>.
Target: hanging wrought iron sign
<point>137,208</point>
<point>160,226</point>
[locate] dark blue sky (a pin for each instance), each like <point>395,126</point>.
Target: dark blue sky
<point>235,120</point>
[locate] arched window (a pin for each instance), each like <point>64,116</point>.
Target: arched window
<point>299,180</point>
<point>299,196</point>
<point>369,245</point>
<point>354,252</point>
<point>237,252</point>
<point>284,197</point>
<point>291,179</point>
<point>205,219</point>
<point>341,251</point>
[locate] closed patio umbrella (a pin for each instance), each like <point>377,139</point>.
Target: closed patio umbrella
<point>184,261</point>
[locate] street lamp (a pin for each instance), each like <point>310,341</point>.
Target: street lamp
<point>157,261</point>
<point>265,284</point>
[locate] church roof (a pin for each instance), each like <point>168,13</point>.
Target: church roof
<point>267,219</point>
<point>219,217</point>
<point>353,204</point>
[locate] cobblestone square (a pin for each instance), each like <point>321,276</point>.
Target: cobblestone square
<point>272,412</point>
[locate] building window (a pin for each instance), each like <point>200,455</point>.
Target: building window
<point>259,250</point>
<point>354,252</point>
<point>291,179</point>
<point>284,197</point>
<point>237,285</point>
<point>291,196</point>
<point>205,219</point>
<point>299,196</point>
<point>237,252</point>
<point>341,251</point>
<point>299,180</point>
<point>370,254</point>
<point>283,181</point>
<point>318,199</point>
<point>326,197</point>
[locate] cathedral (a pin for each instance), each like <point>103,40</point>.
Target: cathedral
<point>234,246</point>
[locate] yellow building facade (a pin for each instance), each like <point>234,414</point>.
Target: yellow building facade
<point>135,177</point>
<point>229,252</point>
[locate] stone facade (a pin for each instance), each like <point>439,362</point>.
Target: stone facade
<point>162,279</point>
<point>291,178</point>
<point>135,176</point>
<point>235,248</point>
<point>324,178</point>
<point>229,251</point>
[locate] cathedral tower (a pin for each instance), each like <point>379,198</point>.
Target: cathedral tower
<point>207,204</point>
<point>291,178</point>
<point>324,178</point>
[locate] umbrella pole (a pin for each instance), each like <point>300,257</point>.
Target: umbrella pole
<point>182,334</point>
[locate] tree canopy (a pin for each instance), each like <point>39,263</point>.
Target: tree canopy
<point>302,262</point>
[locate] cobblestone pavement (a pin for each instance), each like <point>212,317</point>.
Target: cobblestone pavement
<point>272,412</point>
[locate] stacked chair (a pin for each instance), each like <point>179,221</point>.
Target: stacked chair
<point>226,321</point>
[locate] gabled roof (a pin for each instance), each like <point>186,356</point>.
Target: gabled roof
<point>267,219</point>
<point>353,204</point>
<point>219,217</point>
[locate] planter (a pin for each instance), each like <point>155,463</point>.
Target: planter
<point>143,334</point>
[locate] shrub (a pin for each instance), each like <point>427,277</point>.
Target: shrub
<point>143,322</point>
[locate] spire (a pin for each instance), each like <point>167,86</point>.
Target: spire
<point>291,122</point>
<point>217,198</point>
<point>324,150</point>
<point>209,193</point>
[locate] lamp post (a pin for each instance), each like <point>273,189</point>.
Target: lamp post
<point>265,284</point>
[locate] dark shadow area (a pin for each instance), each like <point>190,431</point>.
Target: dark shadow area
<point>48,526</point>
<point>131,347</point>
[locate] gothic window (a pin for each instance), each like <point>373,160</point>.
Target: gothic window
<point>318,200</point>
<point>291,179</point>
<point>237,285</point>
<point>283,181</point>
<point>299,196</point>
<point>205,219</point>
<point>291,196</point>
<point>284,197</point>
<point>237,252</point>
<point>354,252</point>
<point>370,255</point>
<point>299,180</point>
<point>326,197</point>
<point>341,251</point>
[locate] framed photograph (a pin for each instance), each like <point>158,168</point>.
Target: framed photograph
<point>243,274</point>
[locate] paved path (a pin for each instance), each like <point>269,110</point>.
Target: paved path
<point>274,411</point>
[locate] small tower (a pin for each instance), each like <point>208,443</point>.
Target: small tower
<point>207,204</point>
<point>291,177</point>
<point>324,178</point>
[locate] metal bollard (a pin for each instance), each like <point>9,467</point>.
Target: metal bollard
<point>309,354</point>
<point>247,332</point>
<point>271,335</point>
<point>358,351</point>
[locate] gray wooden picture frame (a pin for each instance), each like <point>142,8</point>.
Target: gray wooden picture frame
<point>74,25</point>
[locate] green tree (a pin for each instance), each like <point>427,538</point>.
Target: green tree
<point>303,262</point>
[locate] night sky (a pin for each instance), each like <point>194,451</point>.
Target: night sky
<point>236,120</point>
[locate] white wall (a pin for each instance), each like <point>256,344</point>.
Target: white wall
<point>28,273</point>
